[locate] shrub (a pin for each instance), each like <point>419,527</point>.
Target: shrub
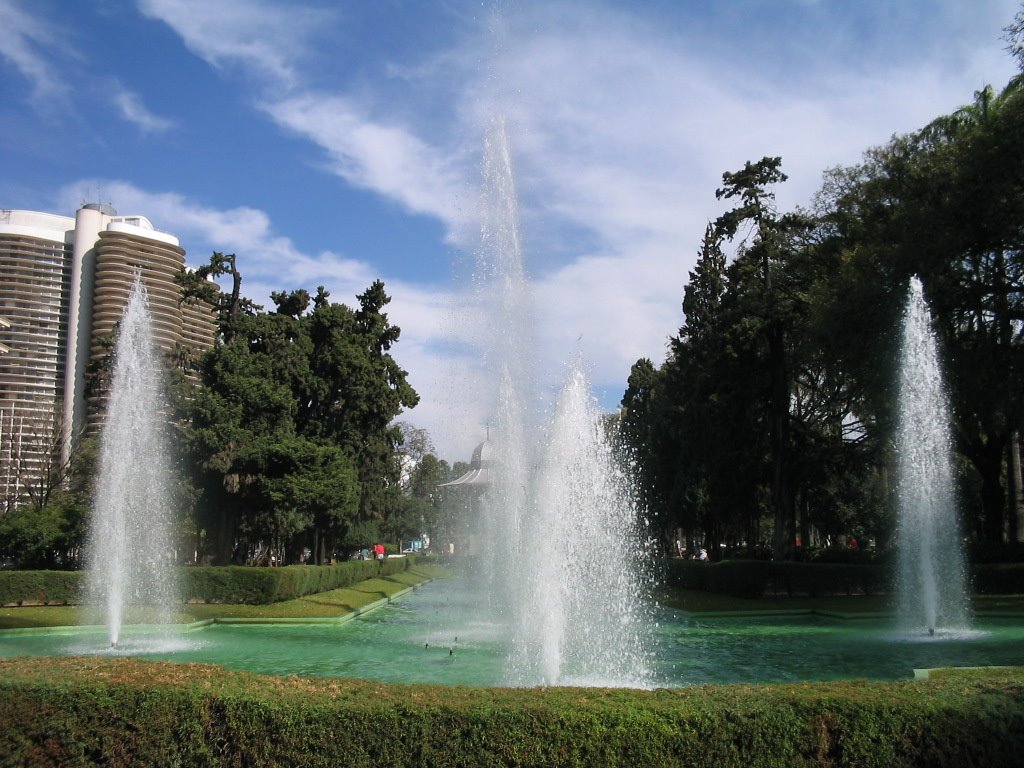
<point>120,712</point>
<point>740,578</point>
<point>991,552</point>
<point>753,578</point>
<point>210,584</point>
<point>998,579</point>
<point>260,586</point>
<point>40,587</point>
<point>845,555</point>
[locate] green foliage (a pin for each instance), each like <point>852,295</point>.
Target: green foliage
<point>131,712</point>
<point>998,578</point>
<point>262,586</point>
<point>945,203</point>
<point>291,431</point>
<point>40,587</point>
<point>777,397</point>
<point>1015,38</point>
<point>755,578</point>
<point>229,584</point>
<point>421,507</point>
<point>41,537</point>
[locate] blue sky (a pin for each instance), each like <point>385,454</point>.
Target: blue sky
<point>337,142</point>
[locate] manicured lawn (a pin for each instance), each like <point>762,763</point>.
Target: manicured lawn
<point>331,604</point>
<point>39,616</point>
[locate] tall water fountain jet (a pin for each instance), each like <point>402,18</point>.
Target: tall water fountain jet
<point>506,312</point>
<point>129,547</point>
<point>932,583</point>
<point>558,524</point>
<point>581,620</point>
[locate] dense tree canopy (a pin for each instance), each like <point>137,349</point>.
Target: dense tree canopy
<point>291,428</point>
<point>770,422</point>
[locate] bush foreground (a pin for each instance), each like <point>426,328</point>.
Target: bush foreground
<point>120,712</point>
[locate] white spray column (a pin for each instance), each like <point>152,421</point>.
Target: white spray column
<point>559,546</point>
<point>932,582</point>
<point>130,555</point>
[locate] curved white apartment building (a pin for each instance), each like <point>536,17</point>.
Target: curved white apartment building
<point>64,284</point>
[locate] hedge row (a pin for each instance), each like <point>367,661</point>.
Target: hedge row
<point>230,584</point>
<point>756,578</point>
<point>998,579</point>
<point>261,586</point>
<point>39,587</point>
<point>123,712</point>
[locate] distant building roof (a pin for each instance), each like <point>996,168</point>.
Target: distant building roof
<point>479,473</point>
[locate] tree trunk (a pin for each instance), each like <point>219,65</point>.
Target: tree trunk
<point>714,540</point>
<point>752,536</point>
<point>782,496</point>
<point>224,537</point>
<point>989,463</point>
<point>1015,510</point>
<point>805,525</point>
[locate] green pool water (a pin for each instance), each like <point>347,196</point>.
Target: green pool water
<point>431,636</point>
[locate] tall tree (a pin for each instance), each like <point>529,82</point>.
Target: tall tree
<point>945,203</point>
<point>767,243</point>
<point>291,429</point>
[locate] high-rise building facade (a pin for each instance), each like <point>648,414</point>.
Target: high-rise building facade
<point>64,283</point>
<point>35,274</point>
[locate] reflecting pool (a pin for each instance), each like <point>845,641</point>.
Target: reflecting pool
<point>432,636</point>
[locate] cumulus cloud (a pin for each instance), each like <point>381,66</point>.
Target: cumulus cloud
<point>621,131</point>
<point>272,258</point>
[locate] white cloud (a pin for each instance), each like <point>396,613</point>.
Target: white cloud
<point>130,105</point>
<point>271,262</point>
<point>621,128</point>
<point>273,259</point>
<point>386,159</point>
<point>620,137</point>
<point>24,40</point>
<point>265,36</point>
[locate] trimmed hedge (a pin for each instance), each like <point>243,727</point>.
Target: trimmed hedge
<point>998,579</point>
<point>261,586</point>
<point>229,584</point>
<point>755,578</point>
<point>39,587</point>
<point>122,712</point>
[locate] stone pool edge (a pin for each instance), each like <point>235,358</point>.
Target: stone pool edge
<point>784,613</point>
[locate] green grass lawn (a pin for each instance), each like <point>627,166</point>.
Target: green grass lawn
<point>325,605</point>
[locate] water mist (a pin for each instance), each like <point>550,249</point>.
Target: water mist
<point>130,555</point>
<point>559,546</point>
<point>932,583</point>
